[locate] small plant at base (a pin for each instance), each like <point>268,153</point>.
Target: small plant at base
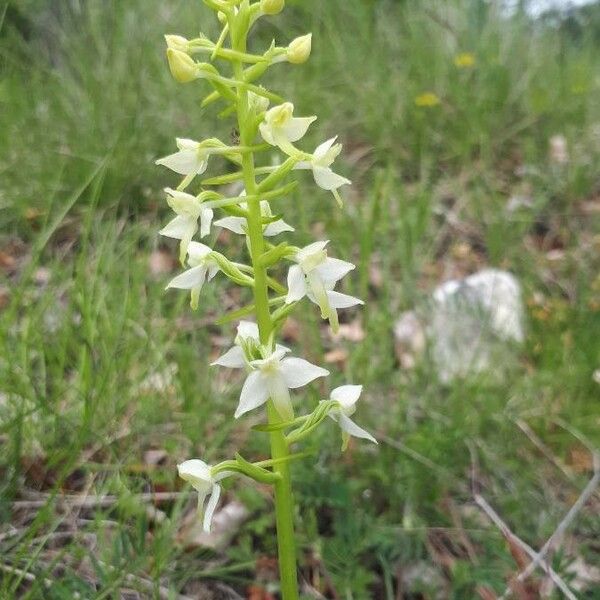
<point>271,374</point>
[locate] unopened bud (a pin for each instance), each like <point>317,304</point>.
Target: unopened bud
<point>183,67</point>
<point>177,42</point>
<point>299,49</point>
<point>257,103</point>
<point>222,17</point>
<point>271,7</point>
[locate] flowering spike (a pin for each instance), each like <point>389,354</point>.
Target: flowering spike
<point>264,122</point>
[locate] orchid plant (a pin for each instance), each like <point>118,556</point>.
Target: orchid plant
<point>266,124</point>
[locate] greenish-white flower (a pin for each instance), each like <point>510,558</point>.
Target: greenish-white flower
<point>199,475</point>
<point>183,227</point>
<point>203,267</point>
<point>280,127</point>
<point>272,376</point>
<point>315,275</point>
<point>240,224</point>
<point>190,159</point>
<point>346,397</point>
<point>320,164</point>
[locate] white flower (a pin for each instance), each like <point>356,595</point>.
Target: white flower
<point>271,377</point>
<point>199,474</point>
<point>191,159</point>
<point>246,341</point>
<point>315,276</point>
<point>183,227</point>
<point>240,225</point>
<point>347,396</point>
<point>280,127</point>
<point>320,164</point>
<point>203,267</point>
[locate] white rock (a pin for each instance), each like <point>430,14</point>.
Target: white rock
<point>471,322</point>
<point>469,326</point>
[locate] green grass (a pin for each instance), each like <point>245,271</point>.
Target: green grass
<point>98,364</point>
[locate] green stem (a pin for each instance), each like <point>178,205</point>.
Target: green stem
<point>284,514</point>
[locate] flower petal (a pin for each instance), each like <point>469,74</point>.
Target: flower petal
<point>349,426</point>
<point>267,133</point>
<point>338,300</point>
<point>234,358</point>
<point>189,279</point>
<point>296,127</point>
<point>248,329</point>
<point>347,395</point>
<point>326,179</point>
<point>179,228</point>
<point>211,506</point>
<point>313,248</point>
<point>296,284</point>
<point>298,372</point>
<point>322,149</point>
<point>333,269</point>
<point>197,473</point>
<point>206,217</point>
<point>254,393</point>
<point>280,394</point>
<point>184,162</point>
<point>276,228</point>
<point>235,224</point>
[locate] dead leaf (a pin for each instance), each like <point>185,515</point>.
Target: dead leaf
<point>161,262</point>
<point>580,459</point>
<point>376,277</point>
<point>337,355</point>
<point>4,297</point>
<point>291,330</point>
<point>154,457</point>
<point>353,332</point>
<point>225,525</point>
<point>257,592</point>
<point>485,593</point>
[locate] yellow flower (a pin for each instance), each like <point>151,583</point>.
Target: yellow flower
<point>427,99</point>
<point>464,60</point>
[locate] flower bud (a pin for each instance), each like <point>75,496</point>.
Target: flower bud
<point>271,7</point>
<point>299,49</point>
<point>257,103</point>
<point>177,42</point>
<point>222,17</point>
<point>183,67</point>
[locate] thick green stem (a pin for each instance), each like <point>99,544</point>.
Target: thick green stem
<point>284,513</point>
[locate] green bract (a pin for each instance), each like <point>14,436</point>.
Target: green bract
<point>271,373</point>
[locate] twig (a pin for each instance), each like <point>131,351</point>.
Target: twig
<point>96,501</point>
<point>163,592</point>
<point>508,534</point>
<point>418,457</point>
<point>587,493</point>
<point>537,442</point>
<point>503,527</point>
<point>24,574</point>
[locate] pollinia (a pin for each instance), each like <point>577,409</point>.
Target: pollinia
<point>266,123</point>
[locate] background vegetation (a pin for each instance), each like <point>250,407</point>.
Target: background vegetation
<point>104,384</point>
